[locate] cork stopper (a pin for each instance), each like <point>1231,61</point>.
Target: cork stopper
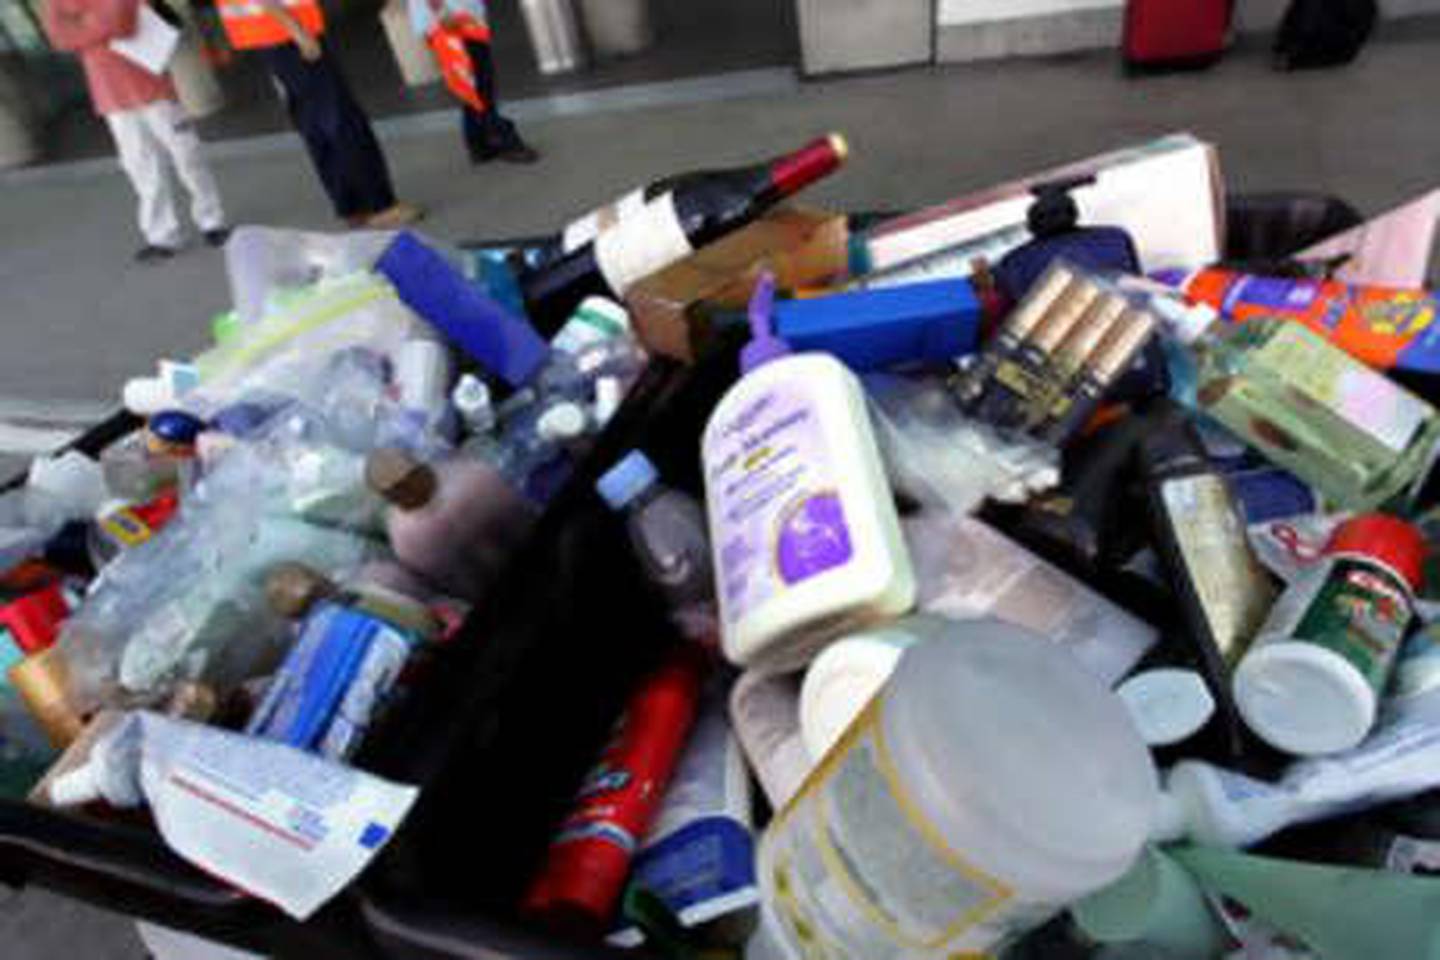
<point>292,589</point>
<point>193,701</point>
<point>401,479</point>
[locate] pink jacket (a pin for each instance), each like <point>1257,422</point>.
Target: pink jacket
<point>85,28</point>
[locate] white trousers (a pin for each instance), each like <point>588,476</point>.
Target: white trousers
<point>146,138</point>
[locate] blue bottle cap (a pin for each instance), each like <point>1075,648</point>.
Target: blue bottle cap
<point>175,426</point>
<point>625,481</point>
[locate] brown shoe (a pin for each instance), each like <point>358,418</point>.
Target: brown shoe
<point>392,218</point>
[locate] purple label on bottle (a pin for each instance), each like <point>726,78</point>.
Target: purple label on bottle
<point>776,514</point>
<point>813,538</point>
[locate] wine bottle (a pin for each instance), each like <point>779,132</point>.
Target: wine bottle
<point>670,219</point>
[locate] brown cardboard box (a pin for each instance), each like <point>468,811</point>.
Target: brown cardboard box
<point>803,247</point>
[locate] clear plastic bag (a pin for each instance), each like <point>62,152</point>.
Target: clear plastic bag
<point>288,352</point>
<point>188,605</point>
<point>942,459</point>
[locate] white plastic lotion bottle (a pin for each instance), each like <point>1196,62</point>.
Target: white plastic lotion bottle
<point>990,783</point>
<point>803,526</point>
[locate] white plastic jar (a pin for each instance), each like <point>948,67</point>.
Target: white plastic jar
<point>989,784</point>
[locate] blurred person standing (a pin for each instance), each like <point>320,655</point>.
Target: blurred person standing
<point>458,31</point>
<point>150,128</point>
<point>337,134</point>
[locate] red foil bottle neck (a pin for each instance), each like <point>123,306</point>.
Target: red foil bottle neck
<point>796,171</point>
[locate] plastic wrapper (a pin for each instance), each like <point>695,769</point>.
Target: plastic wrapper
<point>263,264</point>
<point>938,457</point>
<point>28,518</point>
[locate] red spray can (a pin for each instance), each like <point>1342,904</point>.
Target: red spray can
<point>584,873</point>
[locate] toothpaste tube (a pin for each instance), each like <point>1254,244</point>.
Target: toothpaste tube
<point>699,856</point>
<point>1389,328</point>
<point>1218,807</point>
<point>342,670</point>
<point>282,825</point>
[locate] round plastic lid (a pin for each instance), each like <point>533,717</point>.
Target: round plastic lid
<point>1390,540</point>
<point>471,395</point>
<point>1167,704</point>
<point>841,681</point>
<point>564,421</point>
<point>1019,749</point>
<point>625,481</point>
<point>1303,699</point>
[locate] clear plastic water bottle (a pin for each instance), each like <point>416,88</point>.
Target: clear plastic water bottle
<point>670,537</point>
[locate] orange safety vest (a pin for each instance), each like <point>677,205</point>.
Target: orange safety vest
<point>249,26</point>
<point>455,66</point>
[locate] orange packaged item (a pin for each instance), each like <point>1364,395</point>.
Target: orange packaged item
<point>1391,329</point>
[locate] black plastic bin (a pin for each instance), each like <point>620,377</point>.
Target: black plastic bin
<point>500,736</point>
<point>127,867</point>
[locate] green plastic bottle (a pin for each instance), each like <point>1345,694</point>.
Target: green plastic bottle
<point>1357,436</point>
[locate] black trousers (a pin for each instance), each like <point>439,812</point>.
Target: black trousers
<point>336,131</point>
<point>486,132</point>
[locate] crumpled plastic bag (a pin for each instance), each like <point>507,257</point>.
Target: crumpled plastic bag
<point>287,352</point>
<point>188,604</point>
<point>940,458</point>
<point>263,262</point>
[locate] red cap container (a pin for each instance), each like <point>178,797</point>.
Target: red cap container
<point>1389,540</point>
<point>34,619</point>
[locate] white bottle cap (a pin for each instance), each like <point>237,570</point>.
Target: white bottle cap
<point>564,421</point>
<point>842,680</point>
<point>472,399</point>
<point>1167,704</point>
<point>1302,698</point>
<point>143,396</point>
<point>76,787</point>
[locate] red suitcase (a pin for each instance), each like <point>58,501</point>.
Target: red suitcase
<point>1175,34</point>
